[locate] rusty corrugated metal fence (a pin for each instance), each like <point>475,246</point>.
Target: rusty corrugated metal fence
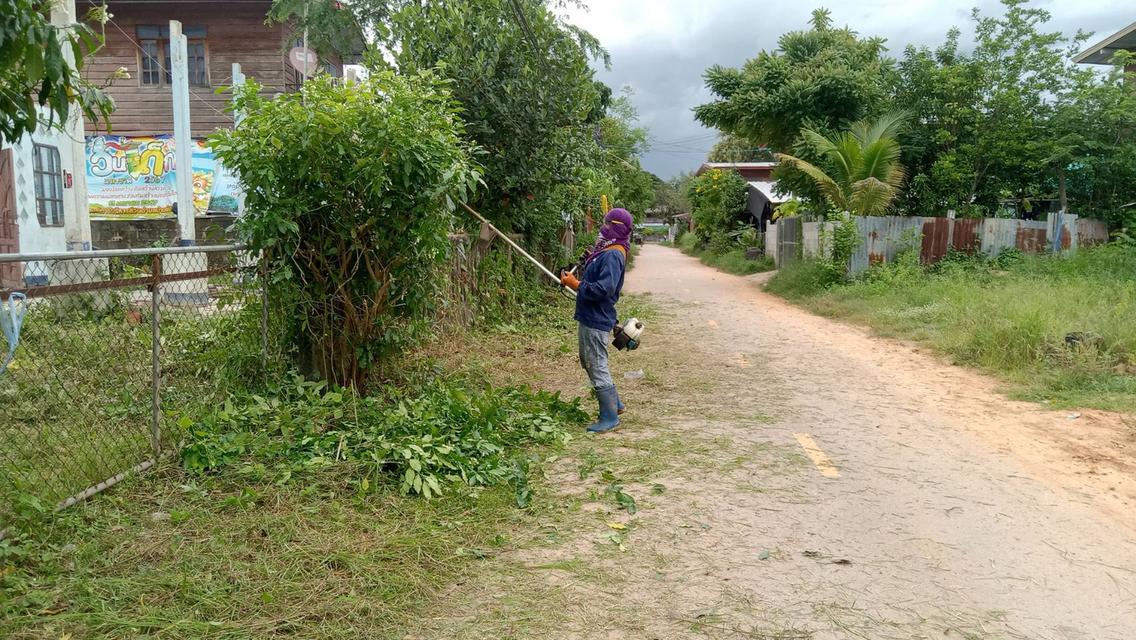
<point>883,238</point>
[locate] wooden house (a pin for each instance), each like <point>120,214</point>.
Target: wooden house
<point>219,32</point>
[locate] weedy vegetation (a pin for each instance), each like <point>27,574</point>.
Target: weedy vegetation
<point>1059,330</point>
<point>732,260</point>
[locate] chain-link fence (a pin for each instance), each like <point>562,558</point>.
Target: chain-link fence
<point>107,354</point>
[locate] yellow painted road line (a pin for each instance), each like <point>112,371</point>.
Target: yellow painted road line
<point>822,461</point>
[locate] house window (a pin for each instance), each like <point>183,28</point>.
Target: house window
<point>154,58</point>
<point>48,186</point>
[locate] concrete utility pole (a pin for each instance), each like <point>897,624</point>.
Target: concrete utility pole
<point>191,292</point>
<point>183,140</point>
<point>238,84</point>
<point>77,225</point>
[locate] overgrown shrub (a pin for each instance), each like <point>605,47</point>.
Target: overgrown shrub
<point>688,242</point>
<point>727,252</point>
<point>804,278</point>
<point>348,192</point>
<point>432,440</point>
<point>736,262</point>
<point>720,242</point>
<point>717,198</point>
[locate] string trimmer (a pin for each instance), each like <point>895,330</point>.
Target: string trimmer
<point>626,334</point>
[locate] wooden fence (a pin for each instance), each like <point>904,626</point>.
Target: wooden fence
<point>885,237</point>
<point>463,288</point>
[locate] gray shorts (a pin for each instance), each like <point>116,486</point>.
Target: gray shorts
<point>593,355</point>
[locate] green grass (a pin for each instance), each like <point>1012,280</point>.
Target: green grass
<point>173,557</point>
<point>77,395</point>
<point>733,261</point>
<point>1009,317</point>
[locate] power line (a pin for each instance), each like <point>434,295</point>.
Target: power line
<point>163,69</point>
<point>688,139</point>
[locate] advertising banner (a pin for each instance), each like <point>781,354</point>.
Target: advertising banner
<point>133,177</point>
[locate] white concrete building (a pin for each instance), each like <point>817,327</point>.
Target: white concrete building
<point>43,200</point>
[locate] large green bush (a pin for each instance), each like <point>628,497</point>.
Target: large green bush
<point>718,198</point>
<point>349,189</point>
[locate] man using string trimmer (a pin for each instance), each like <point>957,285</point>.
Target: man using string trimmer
<point>597,291</point>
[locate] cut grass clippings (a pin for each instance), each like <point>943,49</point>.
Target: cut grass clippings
<point>224,559</point>
<point>258,549</point>
<point>1059,330</point>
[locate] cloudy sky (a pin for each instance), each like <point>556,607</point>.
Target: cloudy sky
<point>661,47</point>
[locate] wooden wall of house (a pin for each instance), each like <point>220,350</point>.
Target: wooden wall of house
<point>235,33</point>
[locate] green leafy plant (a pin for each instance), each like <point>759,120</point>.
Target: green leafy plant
<point>330,173</point>
<point>428,442</point>
<point>41,83</point>
<point>718,197</point>
<point>529,99</point>
<point>864,175</point>
<point>791,208</point>
<point>615,490</point>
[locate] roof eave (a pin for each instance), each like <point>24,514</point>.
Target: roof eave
<point>1096,53</point>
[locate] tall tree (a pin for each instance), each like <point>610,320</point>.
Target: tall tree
<point>41,68</point>
<point>822,78</point>
<point>985,119</point>
<point>671,197</point>
<point>1093,149</point>
<point>529,98</point>
<point>621,143</point>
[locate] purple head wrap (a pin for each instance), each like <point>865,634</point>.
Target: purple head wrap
<point>616,230</point>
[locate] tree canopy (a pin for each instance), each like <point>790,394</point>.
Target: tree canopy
<point>822,78</point>
<point>41,68</point>
<point>734,148</point>
<point>1011,123</point>
<point>550,137</point>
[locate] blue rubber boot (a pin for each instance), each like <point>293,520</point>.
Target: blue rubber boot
<point>609,412</point>
<point>619,406</point>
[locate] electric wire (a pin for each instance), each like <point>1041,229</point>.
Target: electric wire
<point>163,69</point>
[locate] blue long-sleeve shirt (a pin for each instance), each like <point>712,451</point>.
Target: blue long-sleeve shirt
<point>599,291</point>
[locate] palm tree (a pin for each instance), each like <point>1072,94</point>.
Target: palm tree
<point>866,172</point>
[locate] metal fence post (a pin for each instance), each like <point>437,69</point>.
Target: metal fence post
<point>155,353</point>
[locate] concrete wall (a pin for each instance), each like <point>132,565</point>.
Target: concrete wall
<point>143,234</point>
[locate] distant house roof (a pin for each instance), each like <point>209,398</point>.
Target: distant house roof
<point>1102,52</point>
<point>736,166</point>
<point>765,187</point>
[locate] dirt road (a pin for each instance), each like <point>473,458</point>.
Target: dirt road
<point>797,478</point>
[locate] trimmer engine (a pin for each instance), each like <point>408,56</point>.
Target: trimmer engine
<point>627,334</point>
